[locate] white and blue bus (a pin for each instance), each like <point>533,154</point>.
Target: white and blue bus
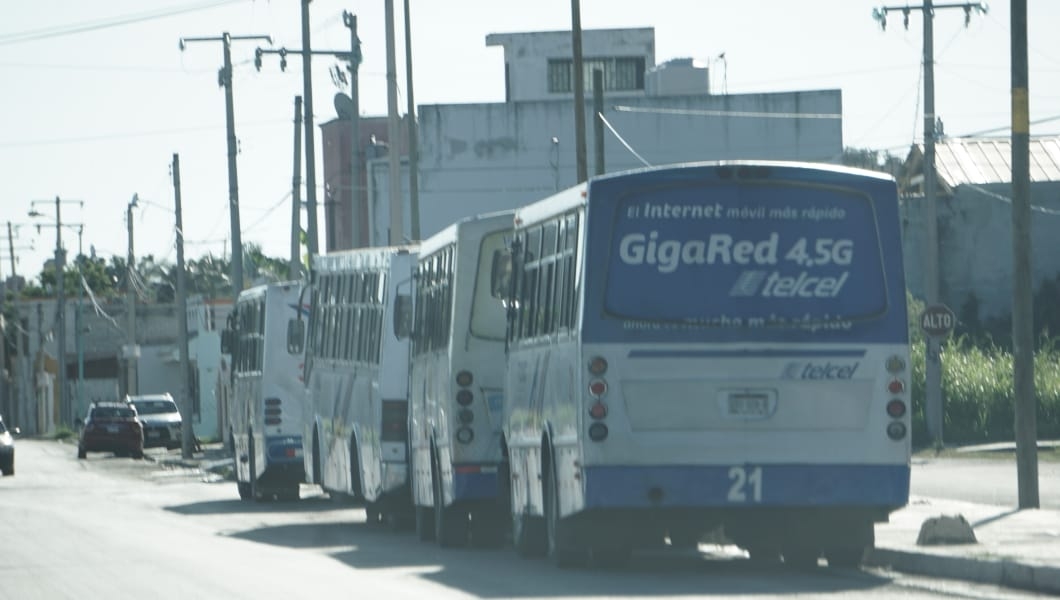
<point>708,348</point>
<point>356,375</point>
<point>456,383</point>
<point>265,404</point>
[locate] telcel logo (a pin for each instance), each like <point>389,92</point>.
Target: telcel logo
<point>827,370</point>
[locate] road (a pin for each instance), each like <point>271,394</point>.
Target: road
<point>992,480</point>
<point>122,528</point>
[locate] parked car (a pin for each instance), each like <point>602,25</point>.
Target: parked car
<point>160,418</point>
<point>7,449</point>
<point>111,427</point>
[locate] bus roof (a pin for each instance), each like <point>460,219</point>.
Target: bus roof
<point>449,234</point>
<point>369,257</point>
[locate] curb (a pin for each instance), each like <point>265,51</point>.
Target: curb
<point>1005,573</point>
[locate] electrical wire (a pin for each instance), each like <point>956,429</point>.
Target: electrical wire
<point>19,37</point>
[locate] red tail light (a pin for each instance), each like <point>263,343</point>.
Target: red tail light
<point>597,387</point>
<point>896,408</point>
<point>598,410</point>
<point>896,386</point>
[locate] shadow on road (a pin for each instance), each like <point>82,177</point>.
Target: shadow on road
<point>235,505</point>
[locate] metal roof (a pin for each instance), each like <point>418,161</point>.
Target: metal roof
<point>961,161</point>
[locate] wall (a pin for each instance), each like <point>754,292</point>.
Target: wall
<point>975,244</point>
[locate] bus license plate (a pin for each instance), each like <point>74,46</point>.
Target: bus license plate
<point>750,405</point>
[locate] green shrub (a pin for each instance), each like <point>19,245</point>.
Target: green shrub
<point>978,388</point>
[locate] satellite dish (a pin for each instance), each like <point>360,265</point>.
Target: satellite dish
<point>344,106</point>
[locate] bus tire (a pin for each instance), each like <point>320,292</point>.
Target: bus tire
<point>848,557</point>
<point>487,527</point>
<point>244,490</point>
<point>528,536</point>
<point>450,522</point>
<point>255,490</point>
<point>424,523</point>
<point>563,549</point>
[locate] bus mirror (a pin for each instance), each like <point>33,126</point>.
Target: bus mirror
<point>500,273</point>
<point>295,336</point>
<point>402,316</point>
<point>226,341</point>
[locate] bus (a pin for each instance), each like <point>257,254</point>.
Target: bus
<point>456,374</point>
<point>709,351</point>
<point>356,378</point>
<point>265,404</point>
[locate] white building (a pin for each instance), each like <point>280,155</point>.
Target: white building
<point>475,158</point>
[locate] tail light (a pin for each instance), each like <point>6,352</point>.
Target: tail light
<point>465,397</point>
<point>896,407</point>
<point>597,367</point>
<point>273,411</point>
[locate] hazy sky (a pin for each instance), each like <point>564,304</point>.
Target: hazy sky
<point>97,97</point>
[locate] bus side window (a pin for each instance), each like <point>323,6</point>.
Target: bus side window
<point>402,316</point>
<point>501,274</point>
<point>295,336</point>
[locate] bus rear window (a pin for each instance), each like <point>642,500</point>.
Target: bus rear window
<point>746,255</point>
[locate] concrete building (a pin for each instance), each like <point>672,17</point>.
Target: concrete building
<point>483,157</point>
<point>96,369</point>
<point>974,213</point>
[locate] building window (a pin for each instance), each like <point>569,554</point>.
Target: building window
<point>620,74</point>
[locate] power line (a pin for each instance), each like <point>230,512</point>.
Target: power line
<point>75,28</point>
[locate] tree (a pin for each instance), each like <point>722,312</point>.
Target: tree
<point>874,160</point>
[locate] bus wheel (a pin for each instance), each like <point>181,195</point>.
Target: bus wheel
<point>424,523</point>
<point>244,490</point>
<point>612,556</point>
<point>255,490</point>
<point>528,535</point>
<point>450,522</point>
<point>372,513</point>
<point>487,527</point>
<point>563,549</point>
<point>845,556</point>
<point>801,557</point>
<point>289,493</point>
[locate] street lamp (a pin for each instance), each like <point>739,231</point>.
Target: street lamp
<point>65,414</point>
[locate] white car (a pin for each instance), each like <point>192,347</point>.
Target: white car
<point>160,417</point>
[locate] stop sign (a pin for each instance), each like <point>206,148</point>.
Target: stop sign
<point>937,320</point>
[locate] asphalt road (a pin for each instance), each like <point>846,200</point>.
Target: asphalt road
<point>121,528</point>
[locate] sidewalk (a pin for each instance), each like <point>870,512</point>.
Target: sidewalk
<point>1014,548</point>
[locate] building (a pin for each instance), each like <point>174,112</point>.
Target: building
<point>974,215</point>
<point>476,158</point>
<point>96,366</point>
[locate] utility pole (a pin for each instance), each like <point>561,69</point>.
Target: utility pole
<point>224,79</point>
<point>414,183</point>
<point>1022,301</point>
<point>79,320</point>
<point>132,351</point>
<point>933,364</point>
<point>579,91</point>
<point>294,268</point>
<point>310,136</point>
<point>11,249</point>
<point>350,20</point>
<point>354,57</point>
<point>397,221</point>
<point>598,119</point>
<point>65,413</point>
<point>187,432</point>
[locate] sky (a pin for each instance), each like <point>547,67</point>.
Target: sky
<point>96,98</point>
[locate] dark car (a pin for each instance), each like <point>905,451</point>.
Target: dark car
<point>112,427</point>
<point>160,418</point>
<point>7,449</point>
